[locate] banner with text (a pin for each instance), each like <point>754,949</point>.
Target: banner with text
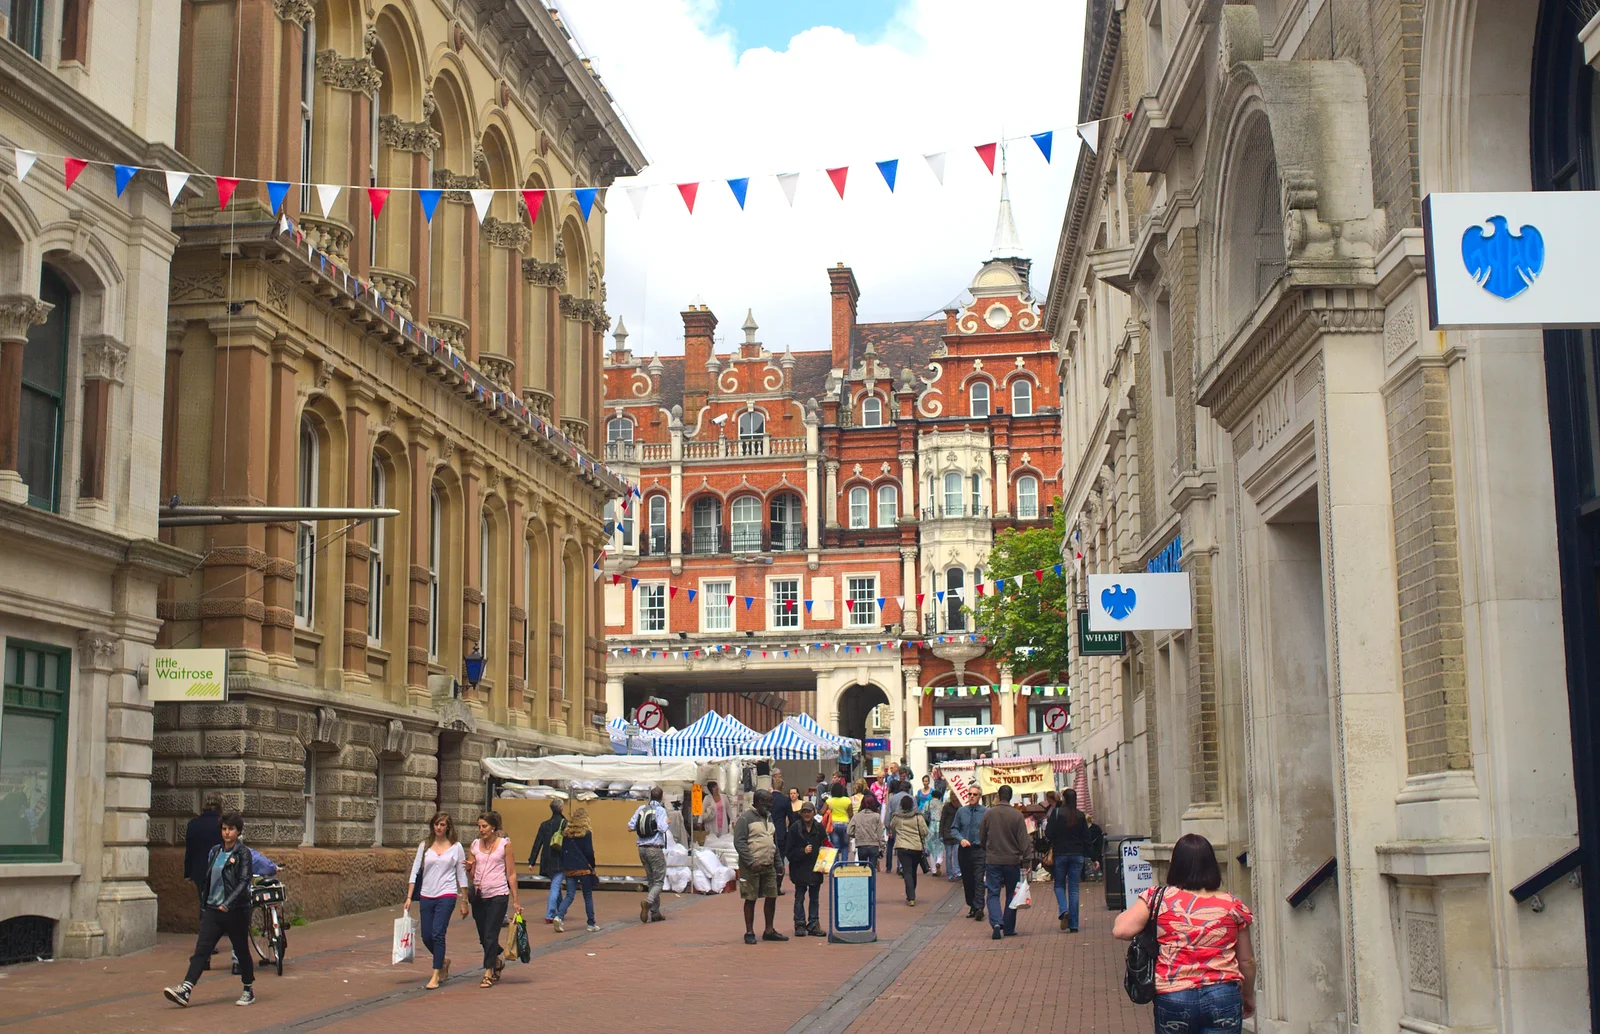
<point>1035,778</point>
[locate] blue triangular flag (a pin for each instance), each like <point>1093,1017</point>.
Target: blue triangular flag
<point>740,187</point>
<point>691,595</point>
<point>881,601</point>
<point>633,583</point>
<point>1044,140</point>
<point>585,196</point>
<point>1058,570</point>
<point>124,174</point>
<point>940,594</point>
<point>747,653</point>
<point>1000,587</point>
<point>888,169</point>
<point>277,190</point>
<point>430,201</point>
<point>748,602</point>
<point>808,606</point>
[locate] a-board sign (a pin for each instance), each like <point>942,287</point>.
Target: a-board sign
<point>1138,875</point>
<point>853,903</point>
<point>697,799</point>
<point>649,716</point>
<point>1055,718</point>
<point>189,676</point>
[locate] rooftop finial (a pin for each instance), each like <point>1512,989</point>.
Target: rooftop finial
<point>749,327</point>
<point>1006,242</point>
<point>620,335</point>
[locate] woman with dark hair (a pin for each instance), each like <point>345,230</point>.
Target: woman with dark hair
<point>494,888</point>
<point>947,833</point>
<point>1067,831</point>
<point>908,827</point>
<point>1206,969</point>
<point>866,829</point>
<point>438,883</point>
<point>839,811</point>
<point>225,894</point>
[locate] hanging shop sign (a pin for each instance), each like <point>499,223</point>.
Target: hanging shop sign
<point>873,745</point>
<point>1098,644</point>
<point>1035,778</point>
<point>189,676</point>
<point>1139,602</point>
<point>1511,259</point>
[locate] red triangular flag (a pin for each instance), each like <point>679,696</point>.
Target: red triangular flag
<point>616,579</point>
<point>838,175</point>
<point>226,185</point>
<point>730,601</point>
<point>986,152</point>
<point>1039,573</point>
<point>920,597</point>
<point>672,592</point>
<point>534,199</point>
<point>377,196</point>
<point>688,190</point>
<point>74,166</point>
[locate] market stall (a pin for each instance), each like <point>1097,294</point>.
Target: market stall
<point>791,741</point>
<point>711,735</point>
<point>1028,777</point>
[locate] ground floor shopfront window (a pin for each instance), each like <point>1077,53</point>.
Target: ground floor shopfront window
<point>33,751</point>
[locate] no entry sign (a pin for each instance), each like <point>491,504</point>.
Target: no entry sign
<point>649,716</point>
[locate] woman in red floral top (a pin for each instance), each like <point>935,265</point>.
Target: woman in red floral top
<point>1206,972</point>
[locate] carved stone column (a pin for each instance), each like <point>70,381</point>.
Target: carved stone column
<point>417,570</point>
<point>471,588</point>
<point>1002,484</point>
<point>18,312</point>
<point>831,498</point>
<point>908,485</point>
<point>516,679</point>
<point>359,595</point>
<point>910,615</point>
<point>283,461</point>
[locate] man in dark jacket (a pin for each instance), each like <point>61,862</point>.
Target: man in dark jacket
<point>968,821</point>
<point>225,897</point>
<point>202,834</point>
<point>782,817</point>
<point>546,854</point>
<point>1007,849</point>
<point>805,838</point>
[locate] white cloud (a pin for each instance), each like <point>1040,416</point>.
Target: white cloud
<point>946,75</point>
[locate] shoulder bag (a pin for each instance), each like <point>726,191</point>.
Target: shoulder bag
<point>416,876</point>
<point>1139,979</point>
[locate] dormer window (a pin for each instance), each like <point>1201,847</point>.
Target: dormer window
<point>872,412</point>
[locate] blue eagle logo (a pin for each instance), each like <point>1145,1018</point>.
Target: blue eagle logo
<point>1118,602</point>
<point>1503,263</point>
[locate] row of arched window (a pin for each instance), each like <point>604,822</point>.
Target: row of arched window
<point>957,496</point>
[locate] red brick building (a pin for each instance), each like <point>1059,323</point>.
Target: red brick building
<point>811,524</point>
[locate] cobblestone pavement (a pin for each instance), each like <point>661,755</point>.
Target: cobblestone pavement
<point>930,969</point>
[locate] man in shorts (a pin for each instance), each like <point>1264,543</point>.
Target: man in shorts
<point>755,841</point>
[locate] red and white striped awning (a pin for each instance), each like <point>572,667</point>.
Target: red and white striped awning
<point>963,775</point>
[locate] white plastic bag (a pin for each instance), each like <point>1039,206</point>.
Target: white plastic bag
<point>405,941</point>
<point>702,881</point>
<point>723,879</point>
<point>1023,898</point>
<point>678,878</point>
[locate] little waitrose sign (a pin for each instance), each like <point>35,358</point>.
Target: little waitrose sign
<point>189,676</point>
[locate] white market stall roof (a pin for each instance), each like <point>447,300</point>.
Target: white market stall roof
<point>638,743</point>
<point>618,768</point>
<point>814,727</point>
<point>709,735</point>
<point>790,741</point>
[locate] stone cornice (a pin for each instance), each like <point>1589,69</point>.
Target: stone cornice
<point>28,527</point>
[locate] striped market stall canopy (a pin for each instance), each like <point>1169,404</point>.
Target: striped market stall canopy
<point>709,736</point>
<point>790,741</point>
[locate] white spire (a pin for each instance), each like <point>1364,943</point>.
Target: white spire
<point>1006,242</point>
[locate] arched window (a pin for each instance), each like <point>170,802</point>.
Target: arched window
<point>1028,497</point>
<point>955,583</point>
<point>977,494</point>
<point>786,522</point>
<point>871,411</point>
<point>305,555</point>
<point>888,506</point>
<point>1021,397</point>
<point>435,542</point>
<point>952,494</point>
<point>375,588</point>
<point>979,398</point>
<point>860,508</point>
<point>657,521</point>
<point>483,585</point>
<point>619,429</point>
<point>707,525</point>
<point>527,606</point>
<point>752,433</point>
<point>746,524</point>
<point>42,420</point>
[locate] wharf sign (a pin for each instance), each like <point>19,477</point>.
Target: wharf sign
<point>189,676</point>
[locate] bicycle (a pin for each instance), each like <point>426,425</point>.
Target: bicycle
<point>269,934</point>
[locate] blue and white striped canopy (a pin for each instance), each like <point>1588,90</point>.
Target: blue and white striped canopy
<point>710,736</point>
<point>790,741</point>
<point>810,724</point>
<point>621,743</point>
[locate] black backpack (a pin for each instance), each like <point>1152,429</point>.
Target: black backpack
<point>647,826</point>
<point>1139,979</point>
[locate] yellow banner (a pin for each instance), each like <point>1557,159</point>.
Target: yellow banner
<point>1034,778</point>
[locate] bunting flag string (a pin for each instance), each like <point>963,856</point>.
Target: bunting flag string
<point>786,649</point>
<point>986,152</point>
<point>838,176</point>
<point>888,170</point>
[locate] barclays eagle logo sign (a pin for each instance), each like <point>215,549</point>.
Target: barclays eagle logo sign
<point>1503,263</point>
<point>1118,602</point>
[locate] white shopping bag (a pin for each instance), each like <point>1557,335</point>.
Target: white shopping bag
<point>1022,898</point>
<point>405,941</point>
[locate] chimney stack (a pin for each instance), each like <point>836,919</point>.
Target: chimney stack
<point>844,292</point>
<point>699,326</point>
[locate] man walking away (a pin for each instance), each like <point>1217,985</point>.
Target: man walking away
<point>782,817</point>
<point>1007,849</point>
<point>757,848</point>
<point>891,808</point>
<point>546,853</point>
<point>805,838</point>
<point>202,834</point>
<point>969,850</point>
<point>649,825</point>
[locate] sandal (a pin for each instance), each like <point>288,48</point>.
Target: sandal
<point>499,967</point>
<point>488,980</point>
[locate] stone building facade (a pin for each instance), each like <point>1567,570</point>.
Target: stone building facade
<point>83,299</point>
<point>1382,523</point>
<point>350,720</point>
<point>850,496</point>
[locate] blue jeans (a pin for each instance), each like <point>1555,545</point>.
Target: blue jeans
<point>841,840</point>
<point>869,854</point>
<point>1001,882</point>
<point>1211,1009</point>
<point>1068,870</point>
<point>571,885</point>
<point>435,920</point>
<point>555,896</point>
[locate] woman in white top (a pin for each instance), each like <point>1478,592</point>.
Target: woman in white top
<point>438,881</point>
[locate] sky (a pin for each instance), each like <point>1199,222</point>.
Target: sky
<point>719,89</point>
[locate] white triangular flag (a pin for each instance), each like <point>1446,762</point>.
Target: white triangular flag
<point>481,200</point>
<point>788,181</point>
<point>283,225</point>
<point>901,600</point>
<point>636,196</point>
<point>25,160</point>
<point>327,196</point>
<point>1089,133</point>
<point>1019,581</point>
<point>936,163</point>
<point>175,182</point>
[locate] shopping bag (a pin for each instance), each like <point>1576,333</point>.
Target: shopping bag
<point>405,941</point>
<point>825,858</point>
<point>1022,898</point>
<point>520,925</point>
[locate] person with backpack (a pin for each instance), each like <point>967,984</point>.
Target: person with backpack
<point>1204,967</point>
<point>649,826</point>
<point>546,854</point>
<point>577,868</point>
<point>1067,832</point>
<point>438,882</point>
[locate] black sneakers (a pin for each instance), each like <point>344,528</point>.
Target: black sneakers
<point>773,935</point>
<point>178,995</point>
<point>249,996</point>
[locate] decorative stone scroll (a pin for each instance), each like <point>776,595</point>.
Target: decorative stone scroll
<point>298,11</point>
<point>356,74</point>
<point>414,137</point>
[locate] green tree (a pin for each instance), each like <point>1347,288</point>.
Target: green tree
<point>1027,625</point>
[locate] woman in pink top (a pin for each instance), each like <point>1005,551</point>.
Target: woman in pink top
<point>494,887</point>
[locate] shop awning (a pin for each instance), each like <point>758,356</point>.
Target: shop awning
<point>790,741</point>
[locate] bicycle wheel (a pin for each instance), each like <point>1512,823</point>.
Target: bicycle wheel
<point>280,945</point>
<point>260,932</point>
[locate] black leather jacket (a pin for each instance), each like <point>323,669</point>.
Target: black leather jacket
<point>235,876</point>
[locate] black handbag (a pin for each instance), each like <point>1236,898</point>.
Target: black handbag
<point>416,875</point>
<point>1139,978</point>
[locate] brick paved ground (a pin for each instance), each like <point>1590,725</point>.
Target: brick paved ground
<point>930,969</point>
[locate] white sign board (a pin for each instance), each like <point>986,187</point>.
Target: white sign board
<point>1138,875</point>
<point>189,676</point>
<point>1139,602</point>
<point>960,735</point>
<point>1512,259</point>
